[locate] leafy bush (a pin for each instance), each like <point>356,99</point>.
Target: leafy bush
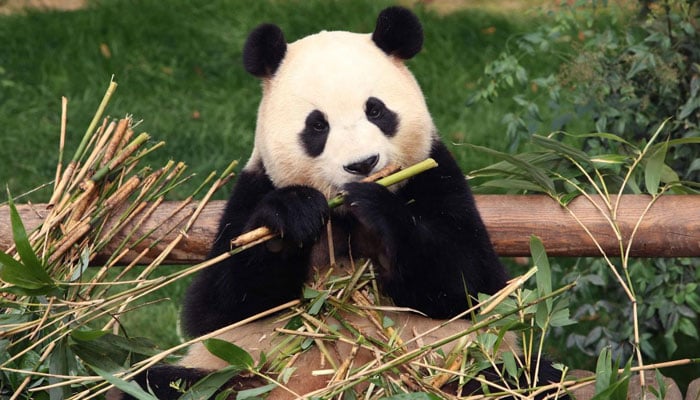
<point>622,75</point>
<point>626,77</point>
<point>633,308</point>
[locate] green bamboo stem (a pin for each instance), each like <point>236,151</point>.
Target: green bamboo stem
<point>336,201</point>
<point>394,178</point>
<point>95,120</point>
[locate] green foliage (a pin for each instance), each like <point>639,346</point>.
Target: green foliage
<point>230,353</point>
<point>132,388</point>
<point>609,385</point>
<point>624,74</point>
<point>27,275</point>
<point>626,77</point>
<point>665,291</point>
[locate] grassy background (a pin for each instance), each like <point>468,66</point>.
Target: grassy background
<point>178,68</point>
<point>179,71</point>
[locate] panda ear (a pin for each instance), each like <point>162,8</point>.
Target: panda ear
<point>264,50</point>
<point>398,32</point>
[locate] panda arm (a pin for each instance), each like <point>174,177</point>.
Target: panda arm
<point>263,276</point>
<point>434,243</point>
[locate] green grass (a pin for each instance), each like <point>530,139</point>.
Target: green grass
<point>179,58</point>
<point>172,61</point>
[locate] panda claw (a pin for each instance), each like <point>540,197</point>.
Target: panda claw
<point>293,212</point>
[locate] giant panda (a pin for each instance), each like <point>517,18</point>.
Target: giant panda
<point>337,107</point>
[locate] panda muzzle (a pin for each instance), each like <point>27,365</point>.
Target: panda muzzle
<point>363,167</point>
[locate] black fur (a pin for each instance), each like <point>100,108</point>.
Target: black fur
<point>316,127</point>
<point>264,50</point>
<point>160,378</point>
<point>398,33</point>
<point>377,113</point>
<point>434,249</point>
<point>315,133</point>
<point>263,276</point>
<point>362,167</point>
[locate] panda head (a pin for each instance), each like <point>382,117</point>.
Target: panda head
<point>338,106</point>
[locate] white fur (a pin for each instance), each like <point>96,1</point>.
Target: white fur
<point>335,73</point>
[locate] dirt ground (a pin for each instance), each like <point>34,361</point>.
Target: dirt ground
<point>10,6</point>
<point>442,6</point>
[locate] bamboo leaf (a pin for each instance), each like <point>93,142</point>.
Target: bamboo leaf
<point>509,364</point>
<point>255,393</point>
<point>206,387</point>
<point>561,318</point>
<point>561,148</point>
<point>229,352</point>
<point>600,135</point>
<point>668,175</point>
<point>318,303</point>
<point>661,382</point>
<point>15,273</point>
<point>544,272</point>
<point>655,135</point>
<point>617,385</point>
<point>87,335</point>
<point>537,174</point>
<point>603,370</point>
<point>567,198</point>
<point>32,269</point>
<point>99,354</point>
<point>62,361</point>
<point>654,167</point>
<point>131,388</point>
<point>681,141</point>
<point>511,184</point>
<point>606,160</point>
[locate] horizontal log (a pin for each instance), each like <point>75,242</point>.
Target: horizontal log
<point>670,227</point>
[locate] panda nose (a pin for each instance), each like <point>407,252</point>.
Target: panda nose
<point>363,167</point>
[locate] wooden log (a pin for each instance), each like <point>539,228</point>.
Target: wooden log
<point>670,228</point>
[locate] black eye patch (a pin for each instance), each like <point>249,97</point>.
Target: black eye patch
<point>315,133</point>
<point>377,113</point>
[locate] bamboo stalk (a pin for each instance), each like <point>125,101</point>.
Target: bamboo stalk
<point>98,115</point>
<point>115,141</point>
<point>388,176</point>
<point>61,141</point>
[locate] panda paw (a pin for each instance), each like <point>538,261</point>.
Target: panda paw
<point>377,208</point>
<point>297,213</point>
